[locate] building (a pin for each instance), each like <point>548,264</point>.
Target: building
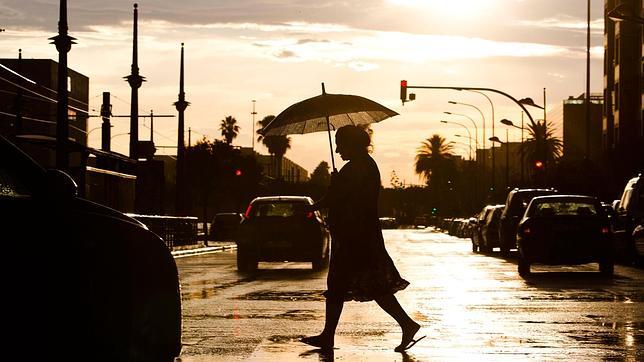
<point>622,126</point>
<point>273,168</point>
<point>28,107</point>
<point>574,127</point>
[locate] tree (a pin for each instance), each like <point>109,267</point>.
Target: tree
<point>433,160</point>
<point>229,129</point>
<point>541,144</point>
<point>276,145</point>
<point>321,176</point>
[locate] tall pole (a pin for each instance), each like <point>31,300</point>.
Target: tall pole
<point>252,136</point>
<point>151,125</point>
<point>189,137</point>
<point>135,80</point>
<point>507,160</point>
<point>493,156</point>
<point>181,104</point>
<point>18,100</point>
<point>63,43</point>
<point>522,151</point>
<point>587,83</point>
<point>106,127</point>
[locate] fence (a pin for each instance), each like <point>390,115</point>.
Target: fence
<point>174,230</point>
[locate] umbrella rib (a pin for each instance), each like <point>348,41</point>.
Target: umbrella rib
<point>351,120</point>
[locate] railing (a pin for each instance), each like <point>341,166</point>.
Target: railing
<point>174,230</point>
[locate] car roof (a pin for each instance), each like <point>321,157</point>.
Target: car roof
<point>281,198</point>
<point>532,190</point>
<point>565,197</point>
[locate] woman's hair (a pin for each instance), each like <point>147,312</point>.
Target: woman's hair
<point>353,137</point>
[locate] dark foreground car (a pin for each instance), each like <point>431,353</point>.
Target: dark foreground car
<point>515,205</point>
<point>81,281</point>
<point>278,229</point>
<point>225,226</point>
<point>562,230</point>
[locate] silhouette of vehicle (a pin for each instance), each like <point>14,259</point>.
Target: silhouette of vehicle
<point>565,229</point>
<point>490,228</point>
<point>82,279</point>
<point>420,221</point>
<point>277,228</point>
<point>629,214</point>
<point>515,205</point>
<point>477,228</point>
<point>638,241</point>
<point>388,222</point>
<point>225,226</point>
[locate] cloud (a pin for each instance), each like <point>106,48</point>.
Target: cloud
<point>285,54</point>
<point>565,22</point>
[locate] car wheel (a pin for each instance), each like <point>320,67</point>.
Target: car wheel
<point>475,248</point>
<point>246,261</point>
<point>524,267</point>
<point>606,268</point>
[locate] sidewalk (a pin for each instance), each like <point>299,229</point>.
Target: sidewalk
<point>202,248</point>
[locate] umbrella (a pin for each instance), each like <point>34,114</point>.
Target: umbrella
<point>326,112</point>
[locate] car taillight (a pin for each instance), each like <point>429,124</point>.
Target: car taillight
<point>605,230</point>
<point>309,215</point>
<point>247,213</point>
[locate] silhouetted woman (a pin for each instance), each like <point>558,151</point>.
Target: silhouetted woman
<point>360,267</point>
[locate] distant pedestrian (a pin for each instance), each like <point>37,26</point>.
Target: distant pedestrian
<point>360,267</point>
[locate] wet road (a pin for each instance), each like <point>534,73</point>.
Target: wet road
<point>470,306</point>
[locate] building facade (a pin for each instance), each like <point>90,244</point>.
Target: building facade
<point>574,128</point>
<point>622,126</point>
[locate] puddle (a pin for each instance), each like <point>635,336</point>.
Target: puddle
<point>290,296</point>
<point>208,292</point>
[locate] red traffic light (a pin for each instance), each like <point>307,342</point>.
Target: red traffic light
<point>403,91</point>
<point>238,172</point>
<point>538,164</point>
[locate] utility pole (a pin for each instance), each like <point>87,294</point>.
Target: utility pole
<point>63,43</point>
<point>152,126</point>
<point>17,105</point>
<point>588,83</point>
<point>189,137</point>
<point>106,113</point>
<point>135,81</point>
<point>252,136</point>
<point>181,104</point>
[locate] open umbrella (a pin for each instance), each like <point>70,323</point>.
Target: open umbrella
<point>326,112</point>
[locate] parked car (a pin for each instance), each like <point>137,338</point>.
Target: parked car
<point>490,229</point>
<point>515,206</point>
<point>277,228</point>
<point>477,228</point>
<point>388,223</point>
<point>629,214</point>
<point>565,229</point>
<point>82,280</point>
<point>225,225</point>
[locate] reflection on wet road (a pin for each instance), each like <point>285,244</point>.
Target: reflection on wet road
<point>471,306</point>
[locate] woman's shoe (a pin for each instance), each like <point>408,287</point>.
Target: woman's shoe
<point>408,340</point>
<point>320,341</point>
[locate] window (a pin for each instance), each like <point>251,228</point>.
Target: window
<point>276,209</point>
<point>564,208</point>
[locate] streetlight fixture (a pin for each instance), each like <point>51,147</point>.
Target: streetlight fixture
<point>476,130</point>
<point>470,142</point>
<point>507,122</point>
<point>507,155</point>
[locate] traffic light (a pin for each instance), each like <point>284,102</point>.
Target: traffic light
<point>538,165</point>
<point>238,172</point>
<point>403,91</point>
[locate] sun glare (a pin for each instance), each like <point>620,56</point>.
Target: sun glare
<point>448,7</point>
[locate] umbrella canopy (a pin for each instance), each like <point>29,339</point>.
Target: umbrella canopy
<point>310,115</point>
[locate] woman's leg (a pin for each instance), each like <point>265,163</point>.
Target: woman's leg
<point>390,304</point>
<point>326,339</point>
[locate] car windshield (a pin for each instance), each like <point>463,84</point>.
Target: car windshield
<point>556,208</point>
<point>276,209</point>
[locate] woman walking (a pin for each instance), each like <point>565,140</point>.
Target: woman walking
<point>360,267</point>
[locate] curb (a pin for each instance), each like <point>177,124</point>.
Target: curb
<point>202,251</point>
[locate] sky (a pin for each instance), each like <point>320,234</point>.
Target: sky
<point>278,52</point>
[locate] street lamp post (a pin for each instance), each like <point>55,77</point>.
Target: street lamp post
<point>466,129</point>
<point>469,138</point>
<point>507,155</point>
<point>507,122</point>
<point>476,130</point>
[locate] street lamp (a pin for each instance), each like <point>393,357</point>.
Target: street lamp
<point>476,130</point>
<point>462,125</point>
<point>507,156</point>
<point>470,142</point>
<point>507,122</point>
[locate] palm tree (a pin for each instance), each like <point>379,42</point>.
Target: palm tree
<point>276,145</point>
<point>541,144</point>
<point>433,162</point>
<point>229,129</point>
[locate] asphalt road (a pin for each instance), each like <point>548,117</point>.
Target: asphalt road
<point>471,306</point>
